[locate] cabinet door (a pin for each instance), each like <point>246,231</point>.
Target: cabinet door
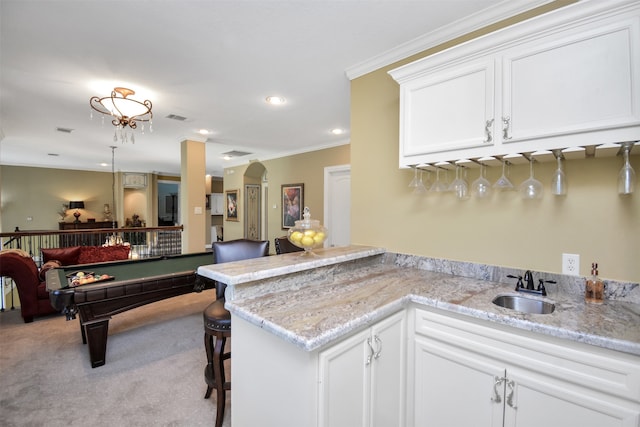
<point>388,372</point>
<point>454,387</point>
<point>217,204</point>
<point>344,383</point>
<point>533,400</point>
<point>581,80</point>
<point>447,110</point>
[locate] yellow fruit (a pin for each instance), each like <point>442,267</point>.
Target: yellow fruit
<point>319,237</point>
<point>307,241</point>
<point>309,233</point>
<point>296,236</point>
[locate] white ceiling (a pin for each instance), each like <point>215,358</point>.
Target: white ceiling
<point>213,62</point>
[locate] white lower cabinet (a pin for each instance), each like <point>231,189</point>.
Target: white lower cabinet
<point>468,374</point>
<point>362,379</point>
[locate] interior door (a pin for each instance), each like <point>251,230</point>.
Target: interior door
<point>337,205</point>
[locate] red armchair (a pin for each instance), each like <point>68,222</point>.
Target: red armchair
<point>32,291</point>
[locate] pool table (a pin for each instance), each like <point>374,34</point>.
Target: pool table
<point>132,283</point>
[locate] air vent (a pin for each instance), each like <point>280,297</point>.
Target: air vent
<point>235,153</point>
<point>176,117</point>
<point>65,130</point>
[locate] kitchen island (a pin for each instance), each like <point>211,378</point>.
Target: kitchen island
<point>290,313</point>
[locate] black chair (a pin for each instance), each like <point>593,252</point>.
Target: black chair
<point>217,319</point>
<point>284,246</point>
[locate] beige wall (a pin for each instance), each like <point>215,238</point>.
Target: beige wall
<point>40,192</point>
<point>306,168</point>
<point>592,220</point>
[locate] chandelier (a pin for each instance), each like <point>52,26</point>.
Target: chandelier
<point>125,112</point>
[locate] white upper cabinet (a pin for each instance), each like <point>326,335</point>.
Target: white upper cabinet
<point>568,78</point>
<point>448,110</point>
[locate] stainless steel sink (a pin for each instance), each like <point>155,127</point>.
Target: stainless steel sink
<point>524,304</point>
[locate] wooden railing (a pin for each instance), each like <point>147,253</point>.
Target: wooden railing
<point>145,241</point>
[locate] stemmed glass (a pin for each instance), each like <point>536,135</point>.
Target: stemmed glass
<point>481,187</point>
<point>503,183</point>
<point>420,187</point>
<point>414,181</point>
<point>438,186</point>
<point>559,180</point>
<point>459,185</point>
<point>626,176</point>
<point>531,188</point>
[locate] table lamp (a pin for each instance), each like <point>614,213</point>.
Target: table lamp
<point>76,205</point>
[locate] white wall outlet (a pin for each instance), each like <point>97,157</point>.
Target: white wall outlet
<point>571,264</point>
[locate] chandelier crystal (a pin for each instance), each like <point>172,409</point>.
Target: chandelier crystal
<point>125,112</point>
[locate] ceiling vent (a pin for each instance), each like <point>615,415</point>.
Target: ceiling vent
<point>176,117</point>
<point>235,153</point>
<point>65,130</point>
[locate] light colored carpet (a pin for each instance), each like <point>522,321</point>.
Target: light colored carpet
<point>153,375</point>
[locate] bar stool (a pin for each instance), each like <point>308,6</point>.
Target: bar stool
<point>217,320</point>
<point>217,328</point>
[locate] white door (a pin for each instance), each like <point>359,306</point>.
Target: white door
<point>345,383</point>
<point>388,372</point>
<point>337,205</point>
<point>454,387</point>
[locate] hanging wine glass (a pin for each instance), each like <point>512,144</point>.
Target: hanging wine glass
<point>559,180</point>
<point>531,188</point>
<point>459,185</point>
<point>481,187</point>
<point>438,186</point>
<point>414,181</point>
<point>626,176</point>
<point>420,187</point>
<point>503,183</point>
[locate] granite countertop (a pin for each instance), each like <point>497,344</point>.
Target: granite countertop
<point>328,308</point>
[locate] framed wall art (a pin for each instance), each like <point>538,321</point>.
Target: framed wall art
<point>231,203</point>
<point>292,202</point>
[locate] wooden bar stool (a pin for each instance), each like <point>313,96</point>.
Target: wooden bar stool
<point>217,320</point>
<point>217,328</point>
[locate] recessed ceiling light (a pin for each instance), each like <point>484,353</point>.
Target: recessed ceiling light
<point>275,100</point>
<point>337,131</point>
<point>104,165</point>
<point>204,132</point>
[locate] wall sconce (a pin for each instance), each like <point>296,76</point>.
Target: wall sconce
<point>76,205</point>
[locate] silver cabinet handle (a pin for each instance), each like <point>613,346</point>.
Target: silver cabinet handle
<point>512,385</point>
<point>377,340</point>
<point>371,352</point>
<point>506,121</point>
<point>487,130</point>
<point>496,396</point>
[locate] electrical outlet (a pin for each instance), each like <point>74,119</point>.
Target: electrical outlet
<point>571,264</point>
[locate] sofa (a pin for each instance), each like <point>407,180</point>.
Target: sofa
<point>31,281</point>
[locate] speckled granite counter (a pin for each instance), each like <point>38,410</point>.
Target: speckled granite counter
<point>313,301</point>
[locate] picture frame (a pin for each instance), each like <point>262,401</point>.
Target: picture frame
<point>231,205</point>
<point>292,196</point>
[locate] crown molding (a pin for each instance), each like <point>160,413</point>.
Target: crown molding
<point>491,15</point>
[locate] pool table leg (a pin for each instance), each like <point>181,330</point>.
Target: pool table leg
<point>96,332</point>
